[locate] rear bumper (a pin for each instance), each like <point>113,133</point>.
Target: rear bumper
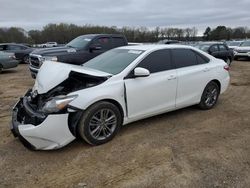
<point>39,132</point>
<point>225,83</point>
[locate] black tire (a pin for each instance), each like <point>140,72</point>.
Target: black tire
<point>1,68</point>
<point>26,59</point>
<point>209,96</point>
<point>88,130</point>
<point>236,58</point>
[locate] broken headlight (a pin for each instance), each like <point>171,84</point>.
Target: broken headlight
<point>48,58</point>
<point>58,103</point>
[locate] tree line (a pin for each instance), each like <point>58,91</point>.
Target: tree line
<point>63,33</point>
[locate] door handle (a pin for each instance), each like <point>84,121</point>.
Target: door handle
<point>172,77</point>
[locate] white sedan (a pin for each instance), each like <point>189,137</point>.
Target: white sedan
<point>123,85</point>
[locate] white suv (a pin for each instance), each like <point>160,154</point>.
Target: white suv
<point>49,45</point>
<point>243,51</point>
<point>120,86</point>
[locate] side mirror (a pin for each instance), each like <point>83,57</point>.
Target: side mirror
<point>141,72</point>
<point>95,47</point>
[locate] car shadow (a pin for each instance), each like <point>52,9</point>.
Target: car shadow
<point>8,72</point>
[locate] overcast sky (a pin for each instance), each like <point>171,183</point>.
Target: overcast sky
<point>34,14</point>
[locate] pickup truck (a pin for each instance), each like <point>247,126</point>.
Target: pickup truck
<point>78,51</point>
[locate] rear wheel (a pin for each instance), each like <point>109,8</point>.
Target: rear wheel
<point>100,123</point>
<point>209,96</point>
<point>1,68</point>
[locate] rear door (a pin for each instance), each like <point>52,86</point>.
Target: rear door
<point>224,52</point>
<point>214,51</point>
<point>193,73</point>
<point>156,93</point>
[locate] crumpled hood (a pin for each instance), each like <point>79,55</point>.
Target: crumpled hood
<point>53,73</point>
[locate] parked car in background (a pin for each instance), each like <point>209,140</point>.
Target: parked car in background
<point>48,45</point>
<point>78,51</point>
<point>21,51</point>
<point>7,61</point>
<point>121,86</point>
<point>168,41</point>
<point>243,51</point>
<point>233,44</point>
<point>218,50</point>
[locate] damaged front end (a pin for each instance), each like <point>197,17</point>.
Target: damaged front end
<point>47,121</point>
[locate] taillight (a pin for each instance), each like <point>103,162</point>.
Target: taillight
<point>226,67</point>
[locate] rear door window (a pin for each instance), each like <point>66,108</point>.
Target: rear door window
<point>118,41</point>
<point>201,59</point>
<point>103,42</point>
<point>214,48</point>
<point>222,47</point>
<point>184,58</point>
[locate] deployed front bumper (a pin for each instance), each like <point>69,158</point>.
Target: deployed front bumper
<point>38,131</point>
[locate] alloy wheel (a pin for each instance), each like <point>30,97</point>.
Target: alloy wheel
<point>102,124</point>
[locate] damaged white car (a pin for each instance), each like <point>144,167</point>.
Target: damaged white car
<point>123,85</point>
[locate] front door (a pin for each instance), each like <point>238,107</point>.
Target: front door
<point>156,93</point>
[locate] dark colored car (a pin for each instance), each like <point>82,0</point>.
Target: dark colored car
<point>218,50</point>
<point>21,51</point>
<point>168,42</point>
<point>78,51</point>
<point>7,61</point>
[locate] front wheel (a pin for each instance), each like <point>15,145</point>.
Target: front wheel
<point>100,123</point>
<point>209,96</point>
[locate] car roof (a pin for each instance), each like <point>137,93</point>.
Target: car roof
<point>209,43</point>
<point>152,47</point>
<point>101,35</point>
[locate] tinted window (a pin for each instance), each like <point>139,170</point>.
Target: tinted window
<point>201,59</point>
<point>184,58</point>
<point>118,41</point>
<point>214,48</point>
<point>222,47</point>
<point>104,42</point>
<point>13,47</point>
<point>1,47</point>
<point>79,42</point>
<point>157,61</point>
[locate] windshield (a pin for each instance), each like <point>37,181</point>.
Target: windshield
<point>79,42</point>
<point>203,47</point>
<point>246,43</point>
<point>113,61</point>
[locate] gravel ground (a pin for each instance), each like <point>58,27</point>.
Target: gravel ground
<point>185,148</point>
